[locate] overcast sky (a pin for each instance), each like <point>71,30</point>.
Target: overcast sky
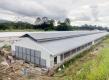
<point>77,10</point>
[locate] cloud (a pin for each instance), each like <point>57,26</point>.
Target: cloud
<point>28,8</point>
<point>78,10</point>
<point>32,8</point>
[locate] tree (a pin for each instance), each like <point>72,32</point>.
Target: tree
<point>67,21</point>
<point>63,27</point>
<point>45,19</point>
<point>38,21</point>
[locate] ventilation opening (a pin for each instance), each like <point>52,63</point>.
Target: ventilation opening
<point>55,60</point>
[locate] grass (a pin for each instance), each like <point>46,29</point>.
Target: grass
<point>88,66</point>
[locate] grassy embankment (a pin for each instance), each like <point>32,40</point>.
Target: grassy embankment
<point>90,65</point>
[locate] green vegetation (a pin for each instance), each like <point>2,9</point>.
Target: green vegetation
<point>46,25</point>
<point>7,47</point>
<point>93,65</point>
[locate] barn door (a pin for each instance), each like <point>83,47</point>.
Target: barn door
<point>33,56</point>
<point>37,58</point>
<point>24,54</point>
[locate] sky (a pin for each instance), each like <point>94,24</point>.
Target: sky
<point>79,11</point>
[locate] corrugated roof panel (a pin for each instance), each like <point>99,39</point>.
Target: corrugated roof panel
<point>49,36</point>
<point>60,46</point>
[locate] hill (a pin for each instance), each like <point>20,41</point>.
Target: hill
<point>4,21</point>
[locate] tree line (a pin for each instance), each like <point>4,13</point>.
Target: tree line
<point>48,25</point>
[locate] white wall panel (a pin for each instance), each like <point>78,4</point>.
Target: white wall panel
<point>37,60</point>
<point>38,53</point>
<point>20,52</point>
<point>43,62</point>
<point>24,54</point>
<point>32,59</point>
<point>28,58</point>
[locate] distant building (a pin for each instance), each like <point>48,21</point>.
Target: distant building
<point>49,49</point>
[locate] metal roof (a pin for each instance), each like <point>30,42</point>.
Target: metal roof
<point>57,47</point>
<point>13,34</point>
<point>61,46</point>
<point>50,36</point>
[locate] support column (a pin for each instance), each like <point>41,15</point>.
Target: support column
<point>93,43</point>
<point>58,59</point>
<point>51,61</point>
